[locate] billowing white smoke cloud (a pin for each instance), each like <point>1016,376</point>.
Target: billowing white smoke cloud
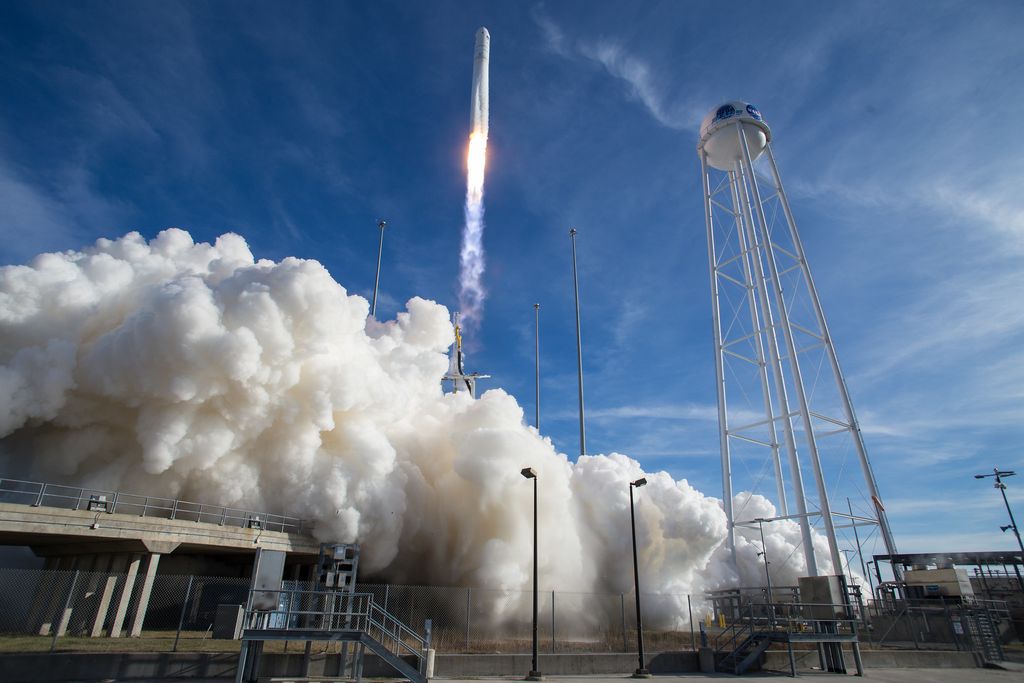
<point>182,369</point>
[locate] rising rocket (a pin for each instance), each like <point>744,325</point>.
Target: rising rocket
<point>480,100</point>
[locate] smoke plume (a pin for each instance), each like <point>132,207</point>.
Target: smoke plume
<point>174,368</point>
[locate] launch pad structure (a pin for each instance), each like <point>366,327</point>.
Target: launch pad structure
<point>774,355</point>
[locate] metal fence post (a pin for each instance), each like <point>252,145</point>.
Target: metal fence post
<point>552,622</point>
<point>65,617</point>
<point>469,593</point>
<point>622,602</point>
<point>689,609</point>
<point>184,606</point>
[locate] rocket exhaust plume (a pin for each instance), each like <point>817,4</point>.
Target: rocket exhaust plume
<point>471,256</point>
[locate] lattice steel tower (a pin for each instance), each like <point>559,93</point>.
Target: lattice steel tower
<point>783,404</point>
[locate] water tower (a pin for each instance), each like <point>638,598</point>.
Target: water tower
<point>783,404</point>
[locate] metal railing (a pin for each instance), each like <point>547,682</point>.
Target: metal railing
<point>325,611</point>
<point>37,494</point>
<point>789,620</point>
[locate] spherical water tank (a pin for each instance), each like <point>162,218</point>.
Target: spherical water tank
<point>718,138</point>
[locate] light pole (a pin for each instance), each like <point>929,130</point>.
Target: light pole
<point>767,576</point>
<point>641,671</point>
<point>376,281</point>
<point>535,674</point>
<point>999,475</point>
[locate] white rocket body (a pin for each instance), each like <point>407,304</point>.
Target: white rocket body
<point>480,101</point>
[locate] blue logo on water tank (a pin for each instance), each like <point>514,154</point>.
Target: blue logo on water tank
<point>752,110</point>
<point>726,111</point>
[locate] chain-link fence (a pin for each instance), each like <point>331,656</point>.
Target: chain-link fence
<point>69,608</point>
<point>49,609</point>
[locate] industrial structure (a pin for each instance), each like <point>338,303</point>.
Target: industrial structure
<point>457,375</point>
<point>783,404</point>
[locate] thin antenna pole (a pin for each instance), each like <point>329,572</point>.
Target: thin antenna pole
<point>376,281</point>
<point>536,354</point>
<point>579,342</point>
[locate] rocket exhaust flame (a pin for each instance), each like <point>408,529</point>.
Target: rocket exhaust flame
<point>471,256</point>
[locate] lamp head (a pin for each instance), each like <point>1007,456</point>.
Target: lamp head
<point>981,476</point>
<point>529,473</point>
<point>642,481</point>
<point>1004,528</point>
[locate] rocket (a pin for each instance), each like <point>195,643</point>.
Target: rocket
<point>456,365</point>
<point>480,100</point>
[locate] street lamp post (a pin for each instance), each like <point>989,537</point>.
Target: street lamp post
<point>641,671</point>
<point>535,674</point>
<point>999,475</point>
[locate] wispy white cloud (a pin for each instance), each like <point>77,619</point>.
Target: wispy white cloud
<point>640,79</point>
<point>39,218</point>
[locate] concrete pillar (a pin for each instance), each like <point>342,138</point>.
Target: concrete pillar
<point>104,607</point>
<point>126,596</point>
<point>65,617</point>
<point>135,627</point>
<point>45,602</point>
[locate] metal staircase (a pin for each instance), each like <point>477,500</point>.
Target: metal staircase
<point>745,654</point>
<point>329,616</point>
<point>981,629</point>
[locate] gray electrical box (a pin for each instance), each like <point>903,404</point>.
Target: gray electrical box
<point>337,566</point>
<point>227,624</point>
<point>822,597</point>
<point>266,579</point>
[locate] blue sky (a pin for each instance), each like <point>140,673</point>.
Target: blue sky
<point>299,125</point>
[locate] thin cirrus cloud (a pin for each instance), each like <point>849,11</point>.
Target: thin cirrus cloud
<point>638,76</point>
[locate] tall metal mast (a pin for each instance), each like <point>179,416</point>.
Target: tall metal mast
<point>376,281</point>
<point>536,355</point>
<point>579,342</point>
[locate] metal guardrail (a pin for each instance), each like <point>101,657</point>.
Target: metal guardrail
<point>789,620</point>
<point>40,494</point>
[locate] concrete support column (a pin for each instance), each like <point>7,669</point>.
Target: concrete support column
<point>104,606</point>
<point>135,627</point>
<point>45,602</point>
<point>65,617</point>
<point>126,596</point>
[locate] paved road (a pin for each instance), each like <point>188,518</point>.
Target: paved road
<point>871,676</point>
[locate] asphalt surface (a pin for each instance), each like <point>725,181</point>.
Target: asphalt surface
<point>870,676</point>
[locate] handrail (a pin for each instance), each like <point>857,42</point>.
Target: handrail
<point>41,494</point>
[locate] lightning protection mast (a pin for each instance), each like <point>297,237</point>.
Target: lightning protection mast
<point>778,412</point>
